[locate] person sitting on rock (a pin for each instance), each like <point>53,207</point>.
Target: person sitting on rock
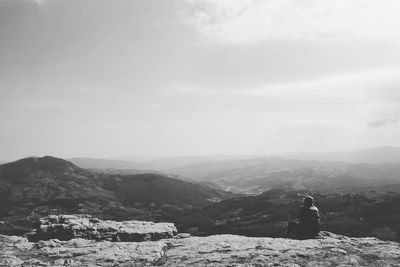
<point>308,225</point>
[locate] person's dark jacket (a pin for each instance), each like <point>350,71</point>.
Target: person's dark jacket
<point>309,220</point>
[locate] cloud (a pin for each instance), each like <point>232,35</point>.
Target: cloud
<point>379,85</point>
<point>252,21</point>
<point>357,99</point>
<point>89,90</point>
<point>38,2</point>
<point>387,113</point>
<point>382,122</point>
<point>42,105</point>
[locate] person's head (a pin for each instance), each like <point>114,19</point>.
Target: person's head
<point>308,201</point>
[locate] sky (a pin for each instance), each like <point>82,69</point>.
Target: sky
<point>101,78</point>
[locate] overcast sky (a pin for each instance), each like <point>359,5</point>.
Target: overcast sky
<point>103,78</point>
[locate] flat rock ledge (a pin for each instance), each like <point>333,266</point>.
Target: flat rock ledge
<point>67,227</point>
<point>218,250</point>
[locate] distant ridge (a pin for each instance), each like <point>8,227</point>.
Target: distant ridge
<point>27,166</point>
<point>156,164</point>
<point>376,155</point>
<point>95,163</point>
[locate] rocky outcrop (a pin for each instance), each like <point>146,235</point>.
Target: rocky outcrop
<point>330,250</point>
<point>66,227</point>
<point>218,250</point>
<point>17,251</point>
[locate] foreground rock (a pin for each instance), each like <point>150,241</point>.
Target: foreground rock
<point>218,250</point>
<point>331,250</point>
<point>67,227</point>
<point>17,251</point>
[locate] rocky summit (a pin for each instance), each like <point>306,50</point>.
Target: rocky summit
<point>66,227</point>
<point>87,249</point>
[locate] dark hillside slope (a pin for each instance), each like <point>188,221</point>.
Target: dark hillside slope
<point>23,168</point>
<point>359,215</point>
<point>35,187</point>
<point>157,189</point>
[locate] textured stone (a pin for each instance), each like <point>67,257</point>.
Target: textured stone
<point>218,250</point>
<point>329,250</point>
<point>66,227</point>
<point>82,252</point>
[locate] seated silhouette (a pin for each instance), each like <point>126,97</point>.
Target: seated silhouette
<point>308,223</point>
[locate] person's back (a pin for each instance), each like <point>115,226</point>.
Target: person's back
<point>308,225</point>
<point>309,218</point>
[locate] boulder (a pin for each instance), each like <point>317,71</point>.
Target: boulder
<point>67,227</point>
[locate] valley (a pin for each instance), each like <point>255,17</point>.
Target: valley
<point>248,196</point>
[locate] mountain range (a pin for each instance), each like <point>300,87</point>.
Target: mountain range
<point>35,187</point>
<point>376,155</point>
<point>336,171</point>
<point>355,199</point>
<point>254,176</point>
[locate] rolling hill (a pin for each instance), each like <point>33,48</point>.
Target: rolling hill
<point>34,187</point>
<point>267,214</point>
<point>253,176</point>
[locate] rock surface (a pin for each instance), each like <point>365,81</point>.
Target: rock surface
<point>17,251</point>
<point>218,250</point>
<point>330,250</point>
<point>67,227</point>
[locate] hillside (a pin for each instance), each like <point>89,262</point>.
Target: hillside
<point>151,188</point>
<point>357,215</point>
<point>165,163</point>
<point>34,187</point>
<point>253,176</point>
